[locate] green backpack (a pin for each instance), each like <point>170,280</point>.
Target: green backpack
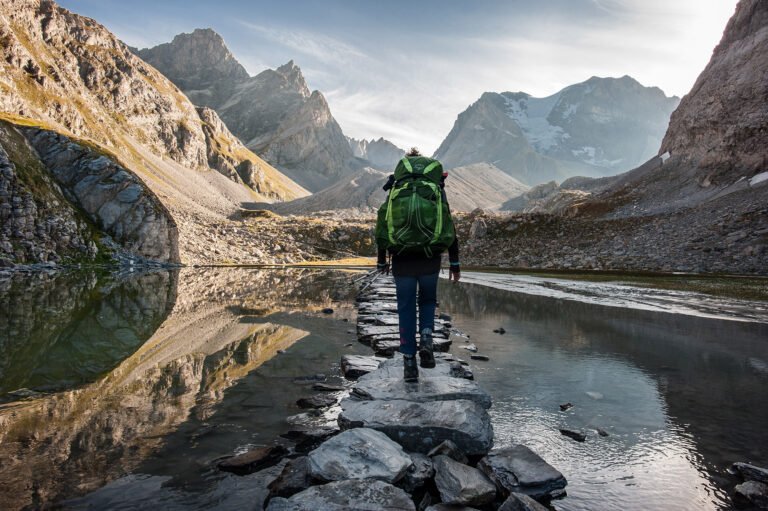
<point>415,218</point>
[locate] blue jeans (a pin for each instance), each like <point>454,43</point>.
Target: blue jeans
<point>406,307</point>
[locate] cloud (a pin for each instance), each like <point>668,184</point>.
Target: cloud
<point>318,46</point>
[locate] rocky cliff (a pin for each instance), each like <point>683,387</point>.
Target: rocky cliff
<point>599,127</point>
<point>381,154</point>
<point>273,113</point>
<point>68,74</point>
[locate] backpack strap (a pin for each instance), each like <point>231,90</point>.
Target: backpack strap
<point>407,165</point>
<point>430,167</point>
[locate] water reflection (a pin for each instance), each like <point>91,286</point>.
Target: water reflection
<point>679,395</point>
<point>215,328</point>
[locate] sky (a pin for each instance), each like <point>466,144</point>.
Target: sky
<point>405,69</point>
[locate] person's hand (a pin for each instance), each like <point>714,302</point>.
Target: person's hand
<point>383,268</point>
<point>454,275</point>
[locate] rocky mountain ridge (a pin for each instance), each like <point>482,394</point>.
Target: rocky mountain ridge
<point>67,74</point>
<point>273,113</point>
<point>381,154</point>
<point>596,128</point>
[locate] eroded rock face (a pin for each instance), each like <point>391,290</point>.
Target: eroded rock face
<point>720,126</point>
<point>112,196</point>
<point>37,223</point>
<point>273,113</point>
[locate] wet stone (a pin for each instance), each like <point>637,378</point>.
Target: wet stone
<point>326,387</point>
<point>751,472</point>
<point>460,484</point>
<point>419,427</point>
<point>357,495</point>
<point>521,502</point>
<point>484,358</point>
<point>448,507</point>
<point>294,478</point>
<point>253,460</point>
<point>308,439</point>
<point>518,469</point>
<point>316,401</point>
<point>448,448</point>
<point>417,474</point>
<point>355,366</point>
<point>752,492</point>
<point>359,454</point>
<point>579,436</point>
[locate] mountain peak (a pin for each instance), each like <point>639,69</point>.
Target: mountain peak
<point>295,78</point>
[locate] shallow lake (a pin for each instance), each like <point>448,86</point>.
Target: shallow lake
<point>121,391</point>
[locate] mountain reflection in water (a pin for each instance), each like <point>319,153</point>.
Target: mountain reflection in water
<point>140,357</point>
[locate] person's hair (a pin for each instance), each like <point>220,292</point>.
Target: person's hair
<point>414,151</point>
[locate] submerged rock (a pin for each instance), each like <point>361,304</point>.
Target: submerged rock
<point>308,439</point>
<point>579,436</point>
<point>460,484</point>
<point>520,470</point>
<point>358,495</point>
<point>316,401</point>
<point>253,460</point>
<point>419,427</point>
<point>751,472</point>
<point>359,454</point>
<point>566,406</point>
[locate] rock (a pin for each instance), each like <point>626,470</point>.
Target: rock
<point>444,316</point>
<point>566,406</point>
<point>325,387</point>
<point>312,378</point>
<point>521,502</point>
<point>753,492</point>
<point>602,432</point>
<point>316,401</point>
<point>470,347</point>
<point>461,484</point>
<point>459,371</point>
<point>357,495</point>
<point>484,358</point>
<point>359,453</point>
<point>327,310</point>
<point>751,472</point>
<point>448,448</point>
<point>355,366</point>
<point>417,475</point>
<point>448,507</point>
<point>308,439</point>
<point>518,469</point>
<point>294,478</point>
<point>253,460</point>
<point>419,427</point>
<point>579,436</point>
<point>500,330</point>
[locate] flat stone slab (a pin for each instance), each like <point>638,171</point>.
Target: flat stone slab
<point>430,387</point>
<point>520,470</point>
<point>420,426</point>
<point>359,453</point>
<point>389,346</point>
<point>356,494</point>
<point>354,366</point>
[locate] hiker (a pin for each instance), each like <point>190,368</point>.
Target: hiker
<point>415,226</point>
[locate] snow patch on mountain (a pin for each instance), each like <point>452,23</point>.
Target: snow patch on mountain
<point>531,115</point>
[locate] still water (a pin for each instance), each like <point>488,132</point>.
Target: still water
<point>122,391</point>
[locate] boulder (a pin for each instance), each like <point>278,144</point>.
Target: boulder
<point>355,366</point>
<point>417,474</point>
<point>448,448</point>
<point>294,478</point>
<point>751,472</point>
<point>520,502</point>
<point>420,426</point>
<point>518,469</point>
<point>359,454</point>
<point>753,492</point>
<point>355,494</point>
<point>461,484</point>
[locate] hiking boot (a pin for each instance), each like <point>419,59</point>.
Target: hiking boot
<point>410,370</point>
<point>427,350</point>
